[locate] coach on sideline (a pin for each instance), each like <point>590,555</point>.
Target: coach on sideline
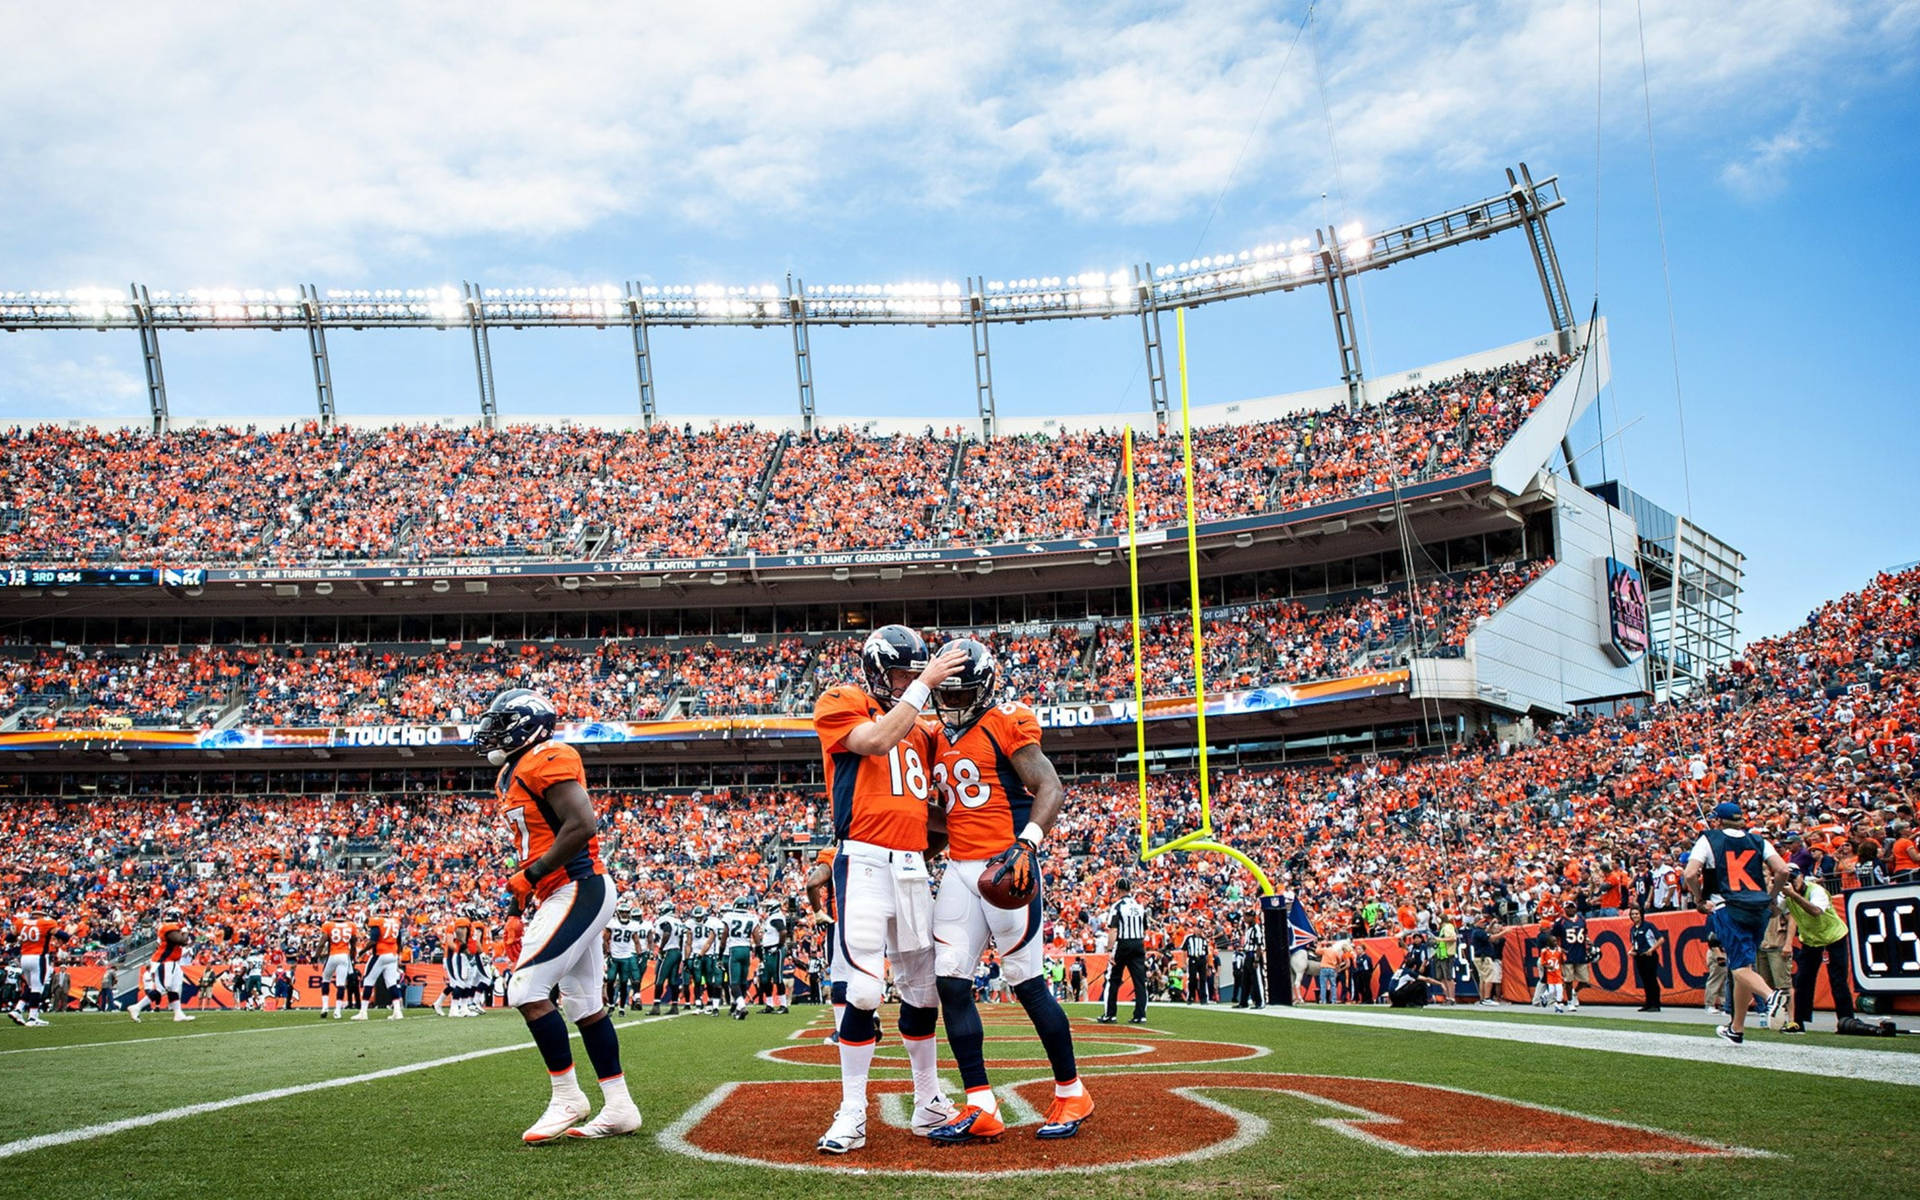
<point>1129,922</point>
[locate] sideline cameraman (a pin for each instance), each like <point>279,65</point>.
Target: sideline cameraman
<point>1823,935</point>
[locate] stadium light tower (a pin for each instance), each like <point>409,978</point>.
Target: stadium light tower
<point>1329,259</point>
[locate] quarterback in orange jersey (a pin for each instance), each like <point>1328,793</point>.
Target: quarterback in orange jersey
<point>383,969</point>
<point>37,933</point>
<point>1001,796</point>
<point>542,790</point>
<point>166,979</point>
<point>878,756</point>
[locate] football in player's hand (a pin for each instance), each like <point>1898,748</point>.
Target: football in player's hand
<point>1012,877</point>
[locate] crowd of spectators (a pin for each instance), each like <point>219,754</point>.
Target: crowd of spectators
<point>845,488</point>
<point>293,686</point>
<point>1444,428</point>
<point>1816,732</point>
<point>436,492</point>
<point>626,679</point>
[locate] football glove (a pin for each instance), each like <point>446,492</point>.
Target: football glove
<point>1015,867</point>
<point>521,887</point>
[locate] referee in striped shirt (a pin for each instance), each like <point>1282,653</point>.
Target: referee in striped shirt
<point>1129,922</point>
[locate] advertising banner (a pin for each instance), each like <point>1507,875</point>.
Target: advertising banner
<point>247,737</point>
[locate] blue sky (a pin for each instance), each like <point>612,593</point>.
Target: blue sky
<point>181,147</point>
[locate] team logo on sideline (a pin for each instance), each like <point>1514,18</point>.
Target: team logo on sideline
<point>1168,1116</point>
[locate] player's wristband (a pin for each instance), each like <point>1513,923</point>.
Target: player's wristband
<point>533,876</point>
<point>1033,834</point>
<point>917,694</point>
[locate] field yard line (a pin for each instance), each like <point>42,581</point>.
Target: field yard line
<point>178,1037</point>
<point>89,1132</point>
<point>1873,1066</point>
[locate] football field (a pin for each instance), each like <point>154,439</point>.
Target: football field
<point>1317,1102</point>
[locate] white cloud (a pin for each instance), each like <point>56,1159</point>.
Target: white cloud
<point>1762,171</point>
<point>205,144</point>
<point>38,382</point>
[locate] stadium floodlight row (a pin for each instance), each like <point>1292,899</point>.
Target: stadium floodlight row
<point>1326,259</point>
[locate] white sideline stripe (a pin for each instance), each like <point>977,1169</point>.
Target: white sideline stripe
<point>175,1037</point>
<point>106,1129</point>
<point>1829,1062</point>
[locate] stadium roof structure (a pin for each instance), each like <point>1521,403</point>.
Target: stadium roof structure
<point>1325,260</point>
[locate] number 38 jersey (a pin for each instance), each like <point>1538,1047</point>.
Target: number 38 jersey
<point>986,803</point>
<point>522,788</point>
<point>881,798</point>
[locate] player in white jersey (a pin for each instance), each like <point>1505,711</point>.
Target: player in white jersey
<point>739,925</point>
<point>624,935</point>
<point>709,937</point>
<point>772,939</point>
<point>669,976</point>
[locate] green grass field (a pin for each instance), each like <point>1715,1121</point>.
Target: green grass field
<point>453,1129</point>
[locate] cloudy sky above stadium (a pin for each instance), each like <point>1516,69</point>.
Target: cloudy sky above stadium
<point>365,145</point>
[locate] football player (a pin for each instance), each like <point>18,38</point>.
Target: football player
<point>1002,795</point>
<point>543,798</point>
<point>623,938</point>
<point>477,983</point>
<point>667,945</point>
<point>877,755</point>
<point>453,947</point>
<point>739,924</point>
<point>821,913</point>
<point>705,936</point>
<point>773,936</point>
<point>37,933</point>
<point>165,971</point>
<point>383,969</point>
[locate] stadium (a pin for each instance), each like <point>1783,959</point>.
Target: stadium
<point>1410,774</point>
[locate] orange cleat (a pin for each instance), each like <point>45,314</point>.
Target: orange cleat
<point>974,1124</point>
<point>1064,1117</point>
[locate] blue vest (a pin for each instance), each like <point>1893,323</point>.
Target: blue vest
<point>1739,870</point>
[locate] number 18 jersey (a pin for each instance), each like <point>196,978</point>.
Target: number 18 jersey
<point>986,803</point>
<point>882,798</point>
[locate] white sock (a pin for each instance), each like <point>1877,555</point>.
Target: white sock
<point>566,1083</point>
<point>924,1054</point>
<point>855,1063</point>
<point>176,1008</point>
<point>614,1091</point>
<point>983,1099</point>
<point>1072,1087</point>
<point>839,1014</point>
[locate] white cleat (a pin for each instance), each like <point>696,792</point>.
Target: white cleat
<point>36,1023</point>
<point>848,1132</point>
<point>134,1015</point>
<point>359,1016</point>
<point>395,1017</point>
<point>613,1121</point>
<point>933,1114</point>
<point>182,1017</point>
<point>563,1112</point>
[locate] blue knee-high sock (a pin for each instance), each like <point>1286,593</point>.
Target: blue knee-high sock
<point>603,1047</point>
<point>1049,1021</point>
<point>550,1034</point>
<point>964,1031</point>
<point>856,1025</point>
